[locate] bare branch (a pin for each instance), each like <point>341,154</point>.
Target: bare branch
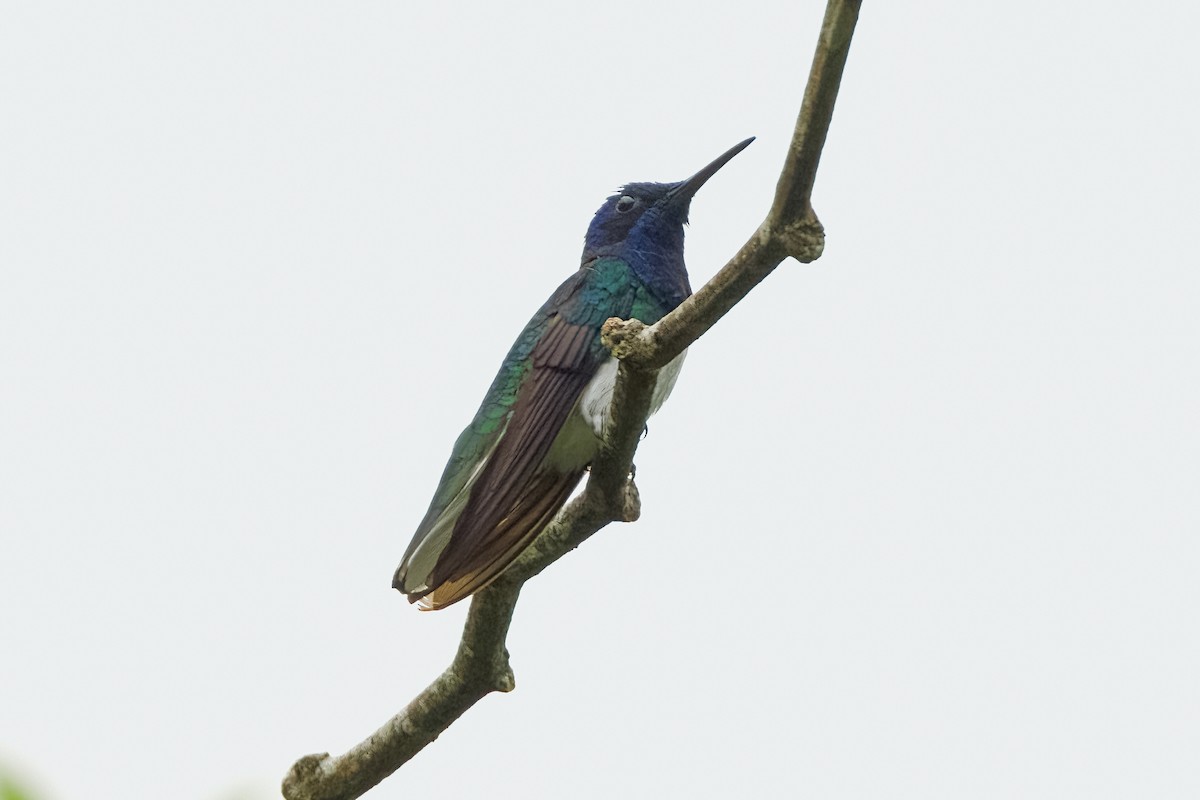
<point>794,191</point>
<point>791,227</point>
<point>481,664</point>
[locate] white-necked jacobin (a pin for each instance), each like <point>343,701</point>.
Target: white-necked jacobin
<point>539,425</point>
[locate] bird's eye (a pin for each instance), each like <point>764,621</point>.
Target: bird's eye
<point>625,204</point>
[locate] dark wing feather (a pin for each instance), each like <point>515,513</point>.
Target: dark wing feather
<point>511,501</point>
<point>547,494</point>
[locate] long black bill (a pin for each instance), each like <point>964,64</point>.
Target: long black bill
<point>682,194</point>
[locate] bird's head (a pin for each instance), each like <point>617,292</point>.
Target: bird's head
<point>643,223</point>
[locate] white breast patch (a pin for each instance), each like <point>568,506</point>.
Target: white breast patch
<point>597,395</point>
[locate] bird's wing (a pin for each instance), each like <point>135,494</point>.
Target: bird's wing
<point>470,454</point>
<point>493,499</point>
<point>544,495</point>
<point>514,493</point>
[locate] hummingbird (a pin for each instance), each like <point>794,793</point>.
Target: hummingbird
<point>541,422</point>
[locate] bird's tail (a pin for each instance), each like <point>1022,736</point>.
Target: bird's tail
<point>460,575</point>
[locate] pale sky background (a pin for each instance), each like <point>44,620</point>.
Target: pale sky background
<point>920,520</point>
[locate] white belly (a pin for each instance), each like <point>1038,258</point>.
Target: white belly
<point>598,394</point>
<point>579,439</point>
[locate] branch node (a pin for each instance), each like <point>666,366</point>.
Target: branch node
<point>500,676</point>
<point>505,680</point>
<point>802,239</point>
<point>303,776</point>
<point>625,338</point>
<point>631,502</point>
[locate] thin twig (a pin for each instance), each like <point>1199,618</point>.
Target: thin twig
<point>481,664</point>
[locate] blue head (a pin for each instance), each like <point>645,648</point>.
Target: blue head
<point>643,225</point>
